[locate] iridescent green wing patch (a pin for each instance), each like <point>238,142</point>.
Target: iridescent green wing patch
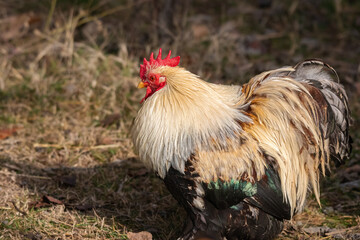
<point>265,194</point>
<point>225,194</point>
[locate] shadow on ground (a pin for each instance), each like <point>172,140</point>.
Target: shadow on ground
<point>122,191</point>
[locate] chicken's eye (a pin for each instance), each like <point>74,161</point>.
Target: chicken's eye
<point>152,78</point>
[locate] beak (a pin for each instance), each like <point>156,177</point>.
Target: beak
<point>142,85</point>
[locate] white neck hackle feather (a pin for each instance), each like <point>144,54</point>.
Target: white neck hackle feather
<point>181,117</point>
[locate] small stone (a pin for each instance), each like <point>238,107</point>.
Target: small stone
<point>139,236</point>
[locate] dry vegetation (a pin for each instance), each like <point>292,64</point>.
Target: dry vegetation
<point>68,73</point>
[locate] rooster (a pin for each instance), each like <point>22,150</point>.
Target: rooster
<point>240,159</point>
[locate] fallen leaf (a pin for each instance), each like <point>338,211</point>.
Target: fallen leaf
<point>51,199</point>
<point>38,204</point>
<point>7,132</point>
<point>45,201</point>
<point>111,119</point>
<point>139,236</point>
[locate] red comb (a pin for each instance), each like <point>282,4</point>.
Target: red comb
<point>172,62</point>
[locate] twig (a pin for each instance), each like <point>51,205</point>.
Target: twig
<point>106,146</point>
<point>341,230</point>
<point>26,175</point>
<point>5,208</point>
<point>59,221</point>
<point>18,209</point>
<point>57,146</point>
<point>51,13</point>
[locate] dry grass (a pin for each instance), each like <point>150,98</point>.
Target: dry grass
<point>67,86</point>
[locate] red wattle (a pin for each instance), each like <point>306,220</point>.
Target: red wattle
<point>149,92</point>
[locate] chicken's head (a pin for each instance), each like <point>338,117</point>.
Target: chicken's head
<point>152,79</point>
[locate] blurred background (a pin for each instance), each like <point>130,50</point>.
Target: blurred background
<point>68,75</point>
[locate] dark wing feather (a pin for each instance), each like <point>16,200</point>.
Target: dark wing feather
<point>265,194</point>
<point>269,196</point>
<point>322,76</point>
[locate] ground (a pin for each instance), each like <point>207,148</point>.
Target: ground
<point>68,75</point>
